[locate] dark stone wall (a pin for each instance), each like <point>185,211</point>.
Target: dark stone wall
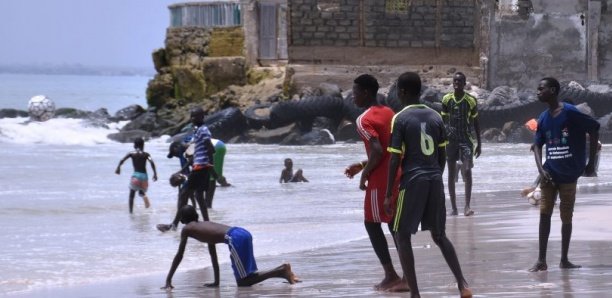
<point>370,23</point>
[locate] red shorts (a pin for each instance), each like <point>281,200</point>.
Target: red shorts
<point>373,208</point>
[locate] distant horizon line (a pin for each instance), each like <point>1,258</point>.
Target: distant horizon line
<point>76,69</point>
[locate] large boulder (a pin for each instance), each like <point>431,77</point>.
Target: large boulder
<point>160,89</point>
<point>13,113</point>
<point>128,113</point>
<point>129,136</point>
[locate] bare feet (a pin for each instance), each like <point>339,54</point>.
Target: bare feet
<point>388,284</point>
<point>539,266</point>
<point>466,293</point>
<point>400,285</point>
<point>288,274</point>
<point>568,265</point>
<point>454,212</point>
<point>468,211</point>
<point>146,201</point>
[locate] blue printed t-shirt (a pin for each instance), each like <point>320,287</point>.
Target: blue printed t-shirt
<point>565,140</point>
<point>200,137</point>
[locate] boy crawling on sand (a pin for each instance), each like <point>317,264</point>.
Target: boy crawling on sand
<point>240,244</point>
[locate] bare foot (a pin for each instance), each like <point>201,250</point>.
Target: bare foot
<point>568,265</point>
<point>386,284</point>
<point>539,266</point>
<point>289,275</point>
<point>466,293</point>
<point>400,285</point>
<point>454,212</point>
<point>468,211</point>
<point>146,201</point>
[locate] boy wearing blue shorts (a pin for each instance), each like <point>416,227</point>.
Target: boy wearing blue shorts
<point>240,244</point>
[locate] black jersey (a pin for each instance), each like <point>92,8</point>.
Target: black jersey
<point>418,133</point>
<point>461,113</point>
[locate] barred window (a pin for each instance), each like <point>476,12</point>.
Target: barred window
<point>328,5</point>
<point>397,6</point>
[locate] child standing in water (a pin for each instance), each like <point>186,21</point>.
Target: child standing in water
<point>139,180</point>
<point>287,173</point>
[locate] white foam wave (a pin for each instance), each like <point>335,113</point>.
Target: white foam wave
<point>57,131</point>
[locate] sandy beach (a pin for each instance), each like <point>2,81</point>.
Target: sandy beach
<point>495,248</point>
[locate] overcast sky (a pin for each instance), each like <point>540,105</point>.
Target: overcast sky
<point>118,33</point>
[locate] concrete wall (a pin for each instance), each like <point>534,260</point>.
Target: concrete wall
<point>365,32</point>
<point>605,43</point>
<point>551,41</point>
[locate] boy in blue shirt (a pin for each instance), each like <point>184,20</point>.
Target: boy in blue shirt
<point>563,129</point>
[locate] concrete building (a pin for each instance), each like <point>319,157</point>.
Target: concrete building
<point>503,42</point>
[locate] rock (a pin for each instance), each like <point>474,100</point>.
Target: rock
<point>128,136</point>
<point>271,136</point>
<point>314,137</point>
<point>128,113</point>
<point>347,132</point>
<point>501,96</point>
<point>219,73</point>
<point>13,113</point>
<point>148,122</point>
<point>159,59</point>
<point>575,85</point>
<point>509,127</point>
<point>491,134</point>
<point>328,89</point>
<point>585,109</point>
<point>190,84</point>
<point>160,89</point>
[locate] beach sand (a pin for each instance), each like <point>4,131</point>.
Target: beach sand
<point>495,249</point>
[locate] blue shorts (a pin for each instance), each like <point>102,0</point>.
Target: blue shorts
<point>240,244</point>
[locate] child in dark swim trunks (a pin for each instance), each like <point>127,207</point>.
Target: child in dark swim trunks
<point>287,173</point>
<point>240,243</point>
<point>139,180</point>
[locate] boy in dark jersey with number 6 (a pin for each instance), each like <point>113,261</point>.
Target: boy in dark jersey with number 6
<point>418,139</point>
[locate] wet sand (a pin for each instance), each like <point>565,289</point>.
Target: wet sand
<point>495,248</point>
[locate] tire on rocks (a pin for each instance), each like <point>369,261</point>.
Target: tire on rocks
<point>520,111</point>
<point>429,96</point>
<point>258,115</point>
<point>600,103</point>
<point>306,109</point>
<point>226,123</point>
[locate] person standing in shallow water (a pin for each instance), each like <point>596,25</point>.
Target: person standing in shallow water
<point>201,168</point>
<point>139,182</point>
<point>374,128</point>
<point>562,128</point>
<point>460,113</point>
<point>418,139</point>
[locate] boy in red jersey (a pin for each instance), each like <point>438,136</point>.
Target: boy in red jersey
<point>374,127</point>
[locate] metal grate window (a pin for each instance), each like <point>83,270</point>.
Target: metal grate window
<point>205,15</point>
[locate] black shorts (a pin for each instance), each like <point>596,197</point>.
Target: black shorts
<point>463,151</point>
<point>198,180</point>
<point>421,200</point>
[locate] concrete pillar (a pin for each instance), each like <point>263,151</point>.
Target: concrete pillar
<point>250,25</point>
<point>593,21</point>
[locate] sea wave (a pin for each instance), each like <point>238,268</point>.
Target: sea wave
<point>56,131</point>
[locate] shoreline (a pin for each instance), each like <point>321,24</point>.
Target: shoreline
<point>495,248</point>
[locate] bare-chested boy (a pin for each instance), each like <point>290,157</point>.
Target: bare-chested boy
<point>287,173</point>
<point>139,180</point>
<point>240,243</point>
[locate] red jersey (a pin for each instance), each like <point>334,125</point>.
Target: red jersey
<point>375,122</point>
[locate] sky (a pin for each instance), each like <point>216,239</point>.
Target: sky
<point>110,33</point>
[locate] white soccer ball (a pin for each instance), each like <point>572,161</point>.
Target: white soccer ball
<point>41,108</point>
<point>535,196</point>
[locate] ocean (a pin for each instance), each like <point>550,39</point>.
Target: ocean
<point>65,216</point>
